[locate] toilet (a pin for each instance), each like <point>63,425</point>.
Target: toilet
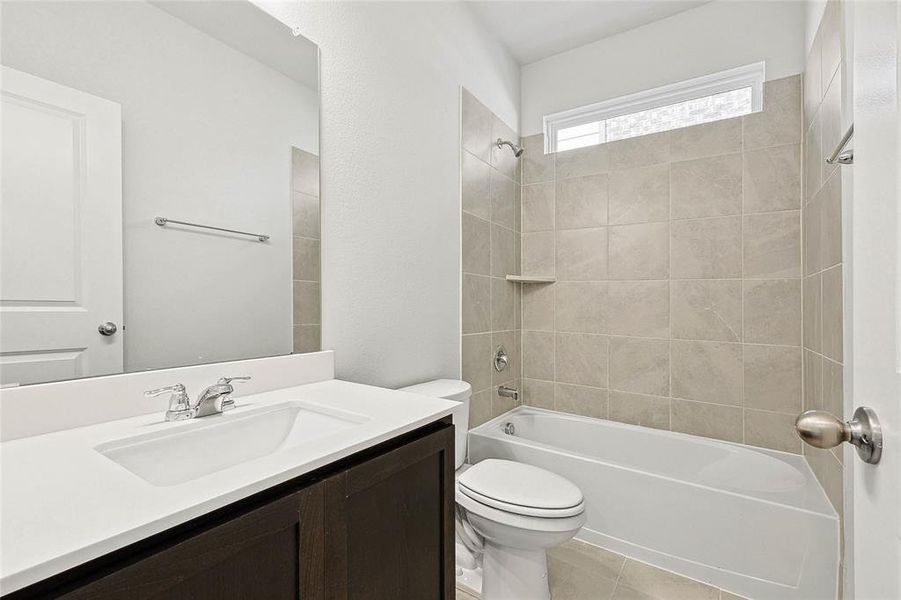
<point>508,513</point>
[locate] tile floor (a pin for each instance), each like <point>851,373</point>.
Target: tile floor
<point>580,571</point>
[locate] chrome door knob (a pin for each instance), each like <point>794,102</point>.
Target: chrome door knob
<point>108,328</point>
<point>821,429</point>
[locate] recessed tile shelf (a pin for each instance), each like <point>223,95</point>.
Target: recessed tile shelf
<point>530,279</point>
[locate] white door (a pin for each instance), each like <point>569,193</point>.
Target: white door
<point>61,228</point>
<point>875,291</point>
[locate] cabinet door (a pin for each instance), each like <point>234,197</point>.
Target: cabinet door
<point>273,552</point>
<point>390,525</point>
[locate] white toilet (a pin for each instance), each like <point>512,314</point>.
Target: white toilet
<point>517,511</point>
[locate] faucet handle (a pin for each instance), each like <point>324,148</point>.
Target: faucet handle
<point>179,402</point>
<point>227,380</point>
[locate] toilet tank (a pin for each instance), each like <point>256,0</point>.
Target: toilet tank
<point>450,389</point>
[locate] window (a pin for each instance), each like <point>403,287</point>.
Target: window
<point>722,95</point>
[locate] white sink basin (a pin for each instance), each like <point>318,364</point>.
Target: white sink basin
<point>210,444</point>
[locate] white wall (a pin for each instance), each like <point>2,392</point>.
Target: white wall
<point>390,78</point>
<point>713,37</point>
<point>207,136</point>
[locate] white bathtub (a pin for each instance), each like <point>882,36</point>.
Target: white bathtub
<point>751,521</point>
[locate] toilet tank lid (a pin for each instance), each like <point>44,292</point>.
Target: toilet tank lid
<point>451,389</point>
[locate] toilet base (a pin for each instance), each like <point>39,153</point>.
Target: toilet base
<point>514,573</point>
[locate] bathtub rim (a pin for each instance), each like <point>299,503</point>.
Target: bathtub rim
<point>491,429</point>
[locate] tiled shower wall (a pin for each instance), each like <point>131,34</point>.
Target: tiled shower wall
<point>490,248</point>
<point>677,256</point>
<point>305,200</point>
<point>822,230</point>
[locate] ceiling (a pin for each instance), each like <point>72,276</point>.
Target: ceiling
<point>536,30</point>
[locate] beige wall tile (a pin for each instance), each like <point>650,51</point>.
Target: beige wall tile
<point>813,380</point>
<point>306,215</point>
<point>538,393</point>
<point>581,202</point>
<point>582,359</point>
<point>305,172</point>
<point>812,234</point>
<point>813,313</point>
<point>772,179</point>
<point>833,394</point>
<point>638,409</point>
<point>305,259</point>
<point>580,162</point>
<point>501,404</point>
<point>772,311</point>
<point>306,303</point>
<point>502,317</point>
<point>476,303</point>
<point>502,158</point>
<point>831,221</point>
<point>538,207</point>
<point>639,195</point>
<point>707,372</point>
<point>831,36</point>
<point>706,187</point>
<point>707,420</point>
<point>637,308</point>
<point>581,400</point>
<point>640,151</point>
<point>476,245</point>
<point>476,136</point>
<point>771,430</point>
<point>502,192</point>
<point>538,253</point>
<point>813,80</point>
<point>706,248</point>
<point>709,139</point>
<point>772,244</point>
<point>780,121</point>
<point>832,313</point>
<point>503,251</point>
<point>477,359</point>
<point>831,129</point>
<point>706,310</point>
<point>538,355</point>
<point>538,307</point>
<point>813,157</point>
<point>580,306</point>
<point>480,408</point>
<point>536,165</point>
<point>582,254</point>
<point>772,378</point>
<point>640,366</point>
<point>639,251</point>
<point>511,341</point>
<point>476,192</point>
<point>828,471</point>
<point>307,338</point>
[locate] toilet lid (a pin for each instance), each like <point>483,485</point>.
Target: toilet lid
<point>521,488</point>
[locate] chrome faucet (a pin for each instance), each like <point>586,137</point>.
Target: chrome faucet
<point>213,400</point>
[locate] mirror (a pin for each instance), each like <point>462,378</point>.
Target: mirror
<point>160,187</point>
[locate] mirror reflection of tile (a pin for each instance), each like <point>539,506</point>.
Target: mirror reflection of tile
<point>306,272</point>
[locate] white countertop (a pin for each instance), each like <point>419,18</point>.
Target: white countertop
<point>64,503</point>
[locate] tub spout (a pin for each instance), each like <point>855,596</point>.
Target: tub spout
<point>508,392</point>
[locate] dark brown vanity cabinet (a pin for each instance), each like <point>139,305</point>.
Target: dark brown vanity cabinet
<point>377,525</point>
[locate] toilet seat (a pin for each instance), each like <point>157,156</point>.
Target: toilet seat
<point>520,489</point>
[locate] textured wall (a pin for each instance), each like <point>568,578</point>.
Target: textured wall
<point>390,149</point>
<point>678,263</point>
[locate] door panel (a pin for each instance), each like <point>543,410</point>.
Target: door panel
<point>61,232</point>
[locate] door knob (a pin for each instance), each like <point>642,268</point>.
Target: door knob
<point>824,430</point>
<point>108,328</point>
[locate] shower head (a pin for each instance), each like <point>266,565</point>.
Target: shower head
<point>517,151</point>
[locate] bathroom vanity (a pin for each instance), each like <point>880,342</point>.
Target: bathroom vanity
<point>359,511</point>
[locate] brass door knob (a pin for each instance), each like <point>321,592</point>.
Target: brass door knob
<point>824,430</point>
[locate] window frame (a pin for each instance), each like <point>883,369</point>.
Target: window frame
<point>752,75</point>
